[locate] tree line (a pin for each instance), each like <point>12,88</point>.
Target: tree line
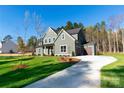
<point>108,36</point>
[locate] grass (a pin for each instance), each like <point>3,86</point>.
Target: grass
<point>38,68</point>
<point>112,75</point>
<point>6,57</point>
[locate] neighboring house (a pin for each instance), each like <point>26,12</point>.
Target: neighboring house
<point>62,42</point>
<point>8,47</point>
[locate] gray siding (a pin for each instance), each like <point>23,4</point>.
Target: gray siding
<point>50,34</point>
<point>68,41</point>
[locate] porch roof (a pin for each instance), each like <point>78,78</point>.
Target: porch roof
<point>48,44</point>
<point>45,45</point>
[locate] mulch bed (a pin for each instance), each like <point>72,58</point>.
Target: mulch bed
<point>68,59</point>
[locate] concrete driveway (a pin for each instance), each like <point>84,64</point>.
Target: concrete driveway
<point>85,74</point>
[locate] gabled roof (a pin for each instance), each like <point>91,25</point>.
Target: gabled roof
<point>74,31</point>
<point>53,30</point>
<point>60,34</point>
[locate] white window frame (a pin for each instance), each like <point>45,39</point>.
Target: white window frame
<point>62,36</point>
<point>54,39</point>
<point>66,48</point>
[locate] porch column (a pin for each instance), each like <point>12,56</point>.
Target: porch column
<point>50,51</point>
<point>44,49</point>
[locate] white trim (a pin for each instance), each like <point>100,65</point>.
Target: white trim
<point>52,30</point>
<point>66,48</point>
<point>66,33</point>
<point>45,41</point>
<point>49,38</point>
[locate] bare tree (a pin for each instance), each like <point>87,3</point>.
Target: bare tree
<point>123,39</point>
<point>39,28</point>
<point>115,23</point>
<point>119,20</point>
<point>109,41</point>
<point>26,23</point>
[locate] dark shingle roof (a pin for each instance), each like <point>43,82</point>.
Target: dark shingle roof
<point>54,30</point>
<point>74,31</point>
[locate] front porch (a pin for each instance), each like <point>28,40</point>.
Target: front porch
<point>48,49</point>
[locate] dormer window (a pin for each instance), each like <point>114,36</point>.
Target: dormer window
<point>63,36</point>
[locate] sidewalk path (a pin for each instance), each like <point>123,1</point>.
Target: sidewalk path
<point>83,74</point>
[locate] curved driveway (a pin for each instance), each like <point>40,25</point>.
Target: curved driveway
<point>83,74</point>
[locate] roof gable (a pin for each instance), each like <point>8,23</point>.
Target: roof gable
<point>66,33</point>
<point>49,29</point>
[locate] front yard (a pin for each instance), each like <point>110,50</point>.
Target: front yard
<point>112,75</point>
<point>37,68</point>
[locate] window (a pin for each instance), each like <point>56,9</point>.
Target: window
<point>63,36</point>
<point>45,40</point>
<point>39,50</point>
<point>53,39</point>
<point>49,40</point>
<point>63,49</point>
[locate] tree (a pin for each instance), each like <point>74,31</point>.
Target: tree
<point>69,25</point>
<point>59,28</point>
<point>89,33</point>
<point>32,42</point>
<point>109,33</point>
<point>76,25</point>
<point>39,28</point>
<point>6,38</point>
<point>81,26</point>
<point>21,45</point>
<point>26,22</point>
<point>38,24</point>
<point>97,30</point>
<point>115,22</point>
<point>123,39</point>
<point>103,35</point>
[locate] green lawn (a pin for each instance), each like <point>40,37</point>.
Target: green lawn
<point>112,75</point>
<point>38,68</point>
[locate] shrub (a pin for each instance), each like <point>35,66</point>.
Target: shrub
<point>73,53</point>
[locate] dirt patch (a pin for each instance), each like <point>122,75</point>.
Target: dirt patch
<point>68,59</point>
<point>21,66</point>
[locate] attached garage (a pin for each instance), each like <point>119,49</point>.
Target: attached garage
<point>90,48</point>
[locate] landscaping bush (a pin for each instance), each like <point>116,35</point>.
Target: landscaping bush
<point>73,53</point>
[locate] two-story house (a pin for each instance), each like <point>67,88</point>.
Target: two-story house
<point>61,42</point>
